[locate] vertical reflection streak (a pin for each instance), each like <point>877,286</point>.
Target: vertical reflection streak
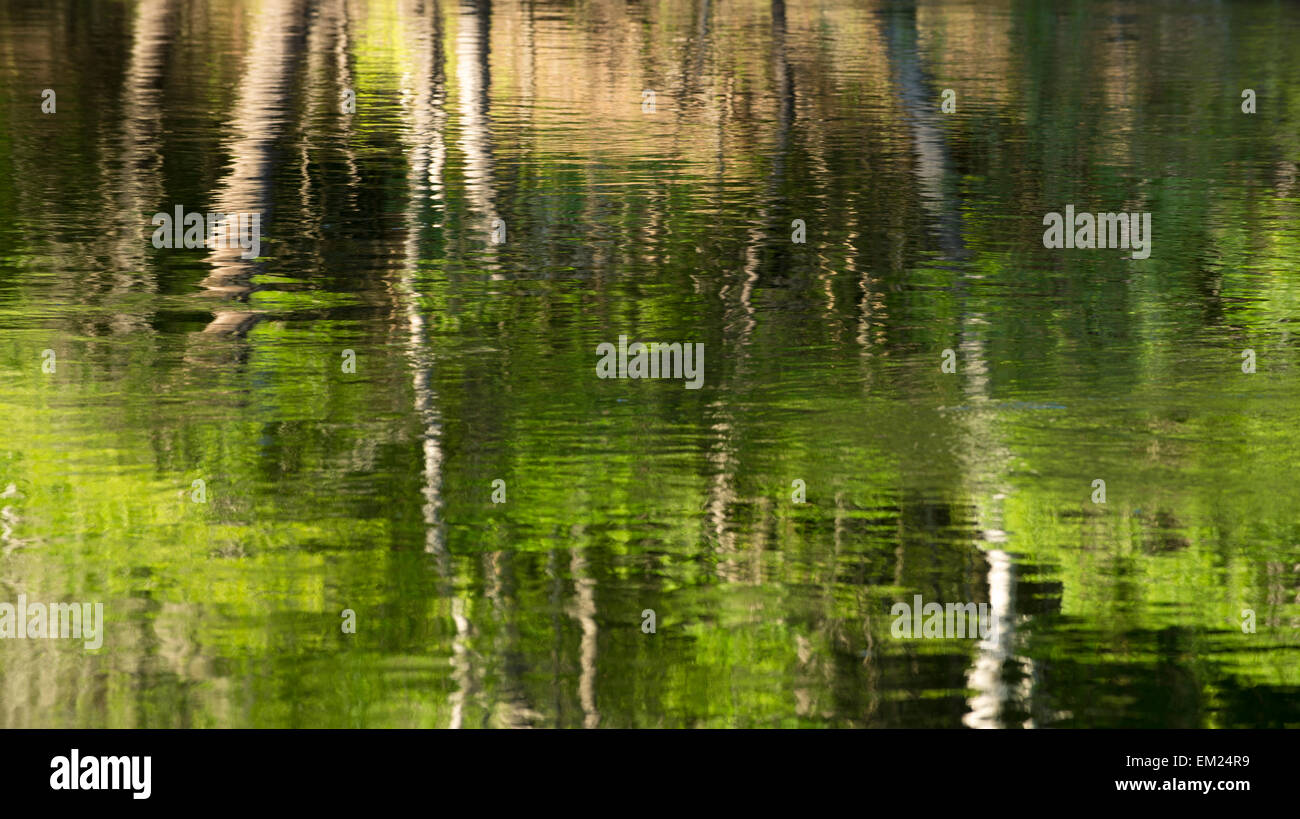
<point>259,120</point>
<point>584,610</point>
<point>934,168</point>
<point>473,73</point>
<point>140,176</point>
<point>423,93</point>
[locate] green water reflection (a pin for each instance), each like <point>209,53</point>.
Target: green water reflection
<point>475,362</point>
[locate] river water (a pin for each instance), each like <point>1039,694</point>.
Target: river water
<point>420,505</point>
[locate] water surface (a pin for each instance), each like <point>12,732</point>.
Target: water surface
<point>475,362</point>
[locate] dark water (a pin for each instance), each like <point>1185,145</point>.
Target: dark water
<point>475,362</point>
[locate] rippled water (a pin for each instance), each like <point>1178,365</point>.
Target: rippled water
<point>475,362</point>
